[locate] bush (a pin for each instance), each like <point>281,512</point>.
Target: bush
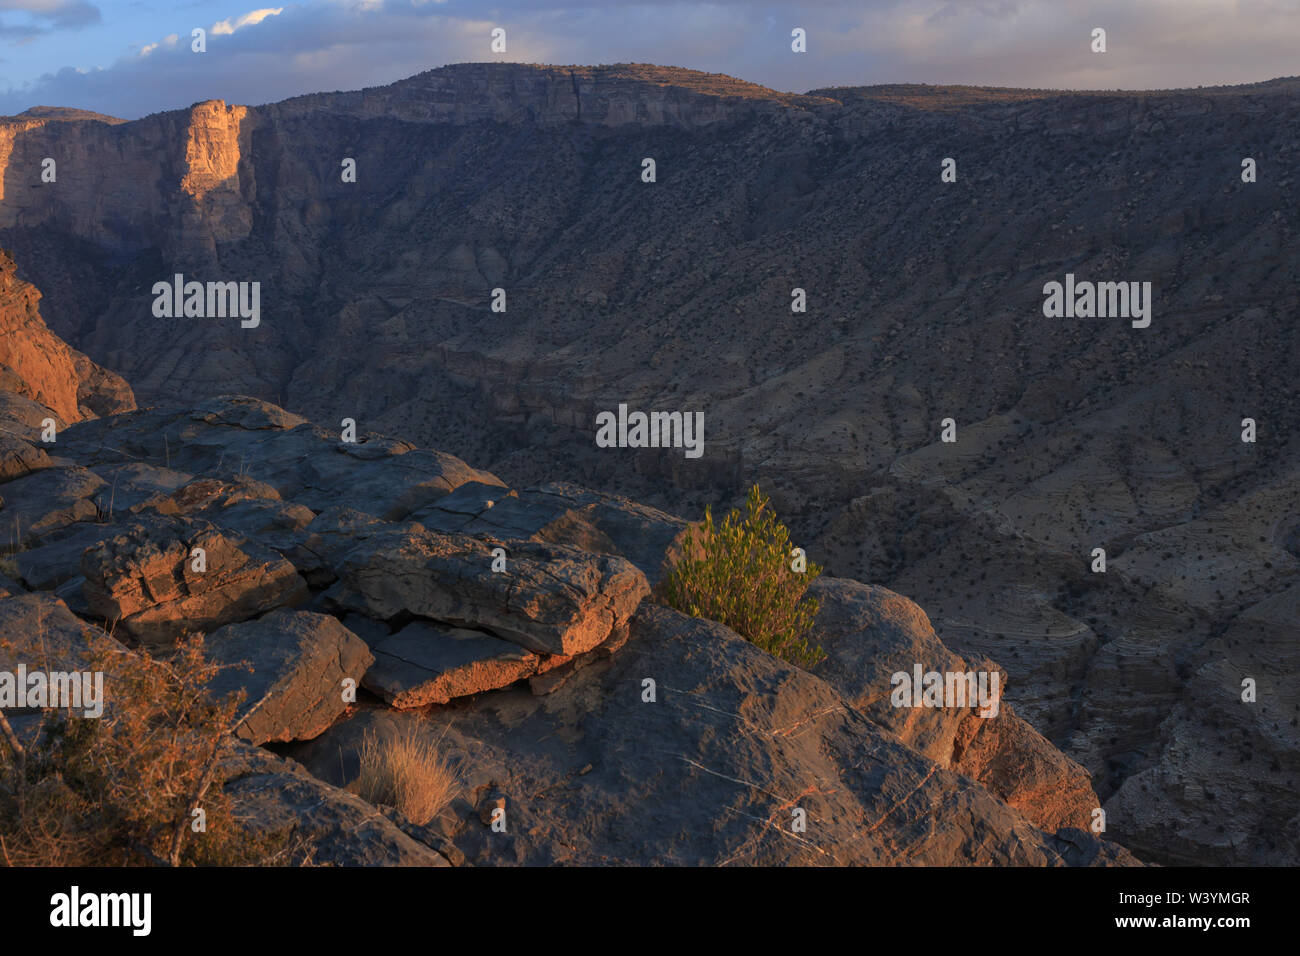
<point>121,789</point>
<point>407,773</point>
<point>738,573</point>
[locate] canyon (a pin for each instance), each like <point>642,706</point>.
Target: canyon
<point>924,302</point>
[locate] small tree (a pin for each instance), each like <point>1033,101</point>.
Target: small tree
<point>739,573</point>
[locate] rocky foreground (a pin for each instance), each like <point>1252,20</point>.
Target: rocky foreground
<point>328,563</point>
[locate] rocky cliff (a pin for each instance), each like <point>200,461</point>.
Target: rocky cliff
<point>42,376</point>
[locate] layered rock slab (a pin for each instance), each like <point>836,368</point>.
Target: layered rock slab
<point>144,579</point>
<point>425,663</point>
<point>550,599</point>
<point>563,513</point>
<point>237,436</point>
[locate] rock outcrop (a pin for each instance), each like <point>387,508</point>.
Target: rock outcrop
<point>163,577</point>
<point>546,598</point>
<point>606,728</point>
<point>38,366</point>
<point>870,634</point>
<point>714,768</point>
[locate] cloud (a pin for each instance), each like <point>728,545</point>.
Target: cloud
<point>167,41</point>
<point>270,54</point>
<point>226,27</point>
<point>45,16</point>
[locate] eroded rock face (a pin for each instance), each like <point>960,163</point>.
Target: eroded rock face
<point>42,367</point>
<point>146,580</point>
<point>871,634</point>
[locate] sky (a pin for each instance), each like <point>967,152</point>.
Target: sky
<point>129,58</point>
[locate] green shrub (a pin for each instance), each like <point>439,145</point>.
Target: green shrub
<point>738,573</point>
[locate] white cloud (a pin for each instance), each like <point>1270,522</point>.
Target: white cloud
<point>167,41</point>
<point>252,18</point>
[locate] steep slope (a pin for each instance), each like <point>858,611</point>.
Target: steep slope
<point>41,374</point>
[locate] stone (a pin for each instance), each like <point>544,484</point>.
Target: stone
<point>551,599</point>
<point>143,579</point>
<point>869,633</point>
<point>299,661</point>
<point>272,796</point>
<point>426,663</point>
<point>45,501</point>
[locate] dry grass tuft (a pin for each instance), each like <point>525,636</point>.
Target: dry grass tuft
<point>406,772</point>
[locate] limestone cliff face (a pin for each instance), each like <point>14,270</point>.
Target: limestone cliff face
<point>186,179</point>
<point>37,365</point>
<point>172,179</point>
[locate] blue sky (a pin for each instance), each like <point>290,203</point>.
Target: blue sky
<point>133,57</point>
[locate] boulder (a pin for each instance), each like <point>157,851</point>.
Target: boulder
<point>272,796</point>
<point>870,633</point>
<point>550,599</point>
<point>291,666</point>
<point>19,457</point>
<point>46,501</point>
<point>38,630</point>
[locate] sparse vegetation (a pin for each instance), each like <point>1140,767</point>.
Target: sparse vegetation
<point>738,573</point>
<point>406,772</point>
<point>121,789</point>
